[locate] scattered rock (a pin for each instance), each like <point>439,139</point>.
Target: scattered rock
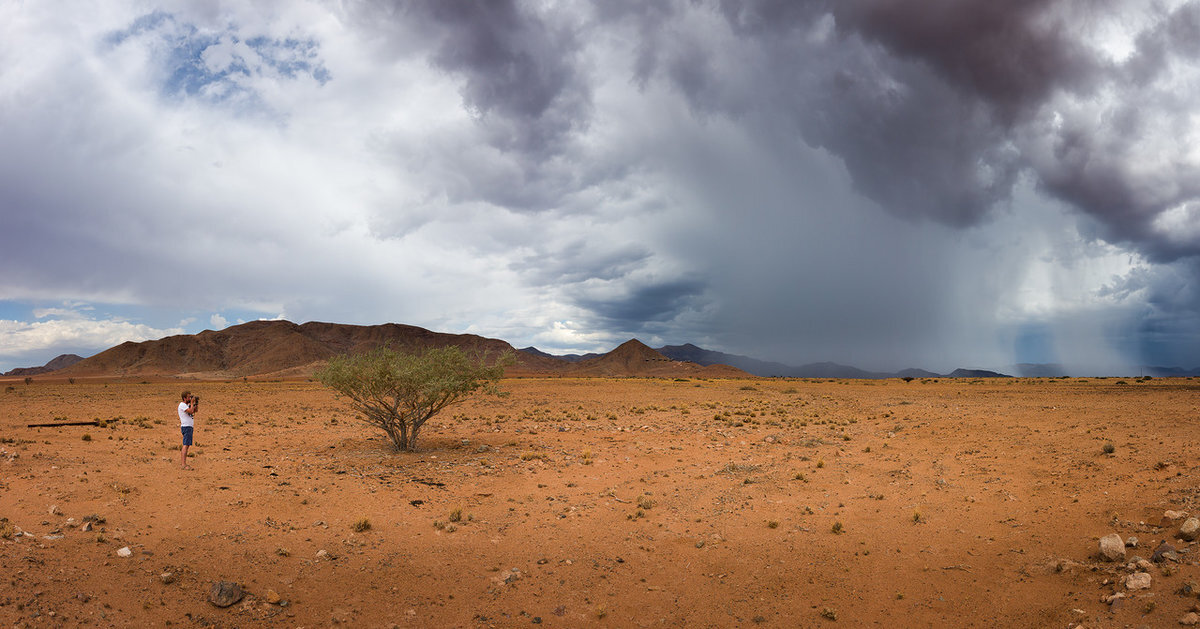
<point>167,578</point>
<point>1112,598</point>
<point>1165,552</point>
<point>94,519</point>
<point>54,510</point>
<point>1132,542</point>
<point>1189,619</point>
<point>1112,547</point>
<point>324,554</point>
<point>771,439</point>
<point>272,597</point>
<point>1172,516</point>
<point>87,526</point>
<point>124,552</point>
<point>1190,529</point>
<point>1137,581</point>
<point>225,593</point>
<point>1143,565</point>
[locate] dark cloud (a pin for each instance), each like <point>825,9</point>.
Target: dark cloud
<point>641,305</point>
<point>522,83</point>
<point>937,109</point>
<point>578,261</point>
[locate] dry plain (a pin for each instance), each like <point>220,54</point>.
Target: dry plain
<point>605,503</point>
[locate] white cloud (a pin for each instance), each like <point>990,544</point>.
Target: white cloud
<point>218,322</point>
<point>46,338</point>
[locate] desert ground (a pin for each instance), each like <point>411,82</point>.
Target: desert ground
<point>604,502</point>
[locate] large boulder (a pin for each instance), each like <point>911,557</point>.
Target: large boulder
<point>1112,548</point>
<point>1190,529</point>
<point>225,593</point>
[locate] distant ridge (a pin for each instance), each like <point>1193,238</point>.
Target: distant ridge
<point>975,373</point>
<point>813,370</point>
<point>571,358</point>
<point>282,349</point>
<point>59,362</point>
<point>279,349</point>
<point>634,358</point>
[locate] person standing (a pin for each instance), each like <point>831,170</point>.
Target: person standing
<point>187,423</point>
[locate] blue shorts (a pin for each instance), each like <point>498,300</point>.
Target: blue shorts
<point>187,434</point>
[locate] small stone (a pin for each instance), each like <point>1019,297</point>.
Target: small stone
<point>225,593</point>
<point>87,526</point>
<point>1174,515</point>
<point>1144,566</point>
<point>1132,542</point>
<point>1190,529</point>
<point>1137,581</point>
<point>1189,619</point>
<point>1165,552</point>
<point>272,597</point>
<point>167,578</point>
<point>124,552</point>
<point>322,554</point>
<point>1114,597</point>
<point>1112,547</point>
<point>54,510</point>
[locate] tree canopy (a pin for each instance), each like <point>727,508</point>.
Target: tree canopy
<point>398,392</point>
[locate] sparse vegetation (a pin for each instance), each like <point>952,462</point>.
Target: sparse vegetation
<point>1109,448</point>
<point>398,392</point>
<point>837,528</point>
<point>361,525</point>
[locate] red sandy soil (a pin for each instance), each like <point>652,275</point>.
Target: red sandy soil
<point>605,503</point>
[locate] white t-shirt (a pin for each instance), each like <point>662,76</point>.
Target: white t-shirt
<point>184,418</point>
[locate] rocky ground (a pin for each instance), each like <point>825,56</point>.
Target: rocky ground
<point>594,502</point>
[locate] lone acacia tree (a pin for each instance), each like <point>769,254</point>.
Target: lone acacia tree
<point>399,392</point>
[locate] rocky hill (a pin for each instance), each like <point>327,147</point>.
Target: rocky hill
<point>58,362</point>
<point>278,348</point>
<point>282,349</point>
<point>634,358</point>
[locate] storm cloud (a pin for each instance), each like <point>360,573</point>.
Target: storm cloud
<point>889,183</point>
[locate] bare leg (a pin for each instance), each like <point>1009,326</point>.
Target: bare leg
<point>183,458</point>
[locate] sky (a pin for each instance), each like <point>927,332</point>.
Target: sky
<point>881,183</point>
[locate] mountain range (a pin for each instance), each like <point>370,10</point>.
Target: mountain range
<point>282,349</point>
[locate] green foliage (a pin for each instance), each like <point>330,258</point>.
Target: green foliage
<point>398,392</point>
